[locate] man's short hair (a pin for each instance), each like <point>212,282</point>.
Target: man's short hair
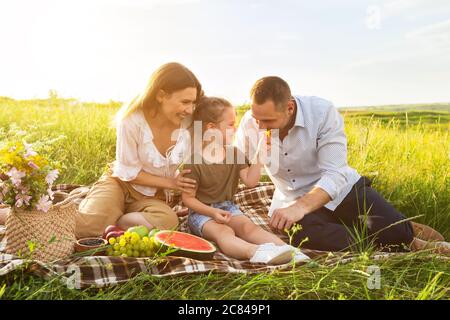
<point>271,88</point>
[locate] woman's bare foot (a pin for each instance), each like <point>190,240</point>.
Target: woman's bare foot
<point>133,219</point>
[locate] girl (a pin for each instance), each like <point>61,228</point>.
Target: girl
<point>217,169</point>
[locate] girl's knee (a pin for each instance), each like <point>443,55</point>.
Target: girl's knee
<point>216,231</point>
<point>246,227</point>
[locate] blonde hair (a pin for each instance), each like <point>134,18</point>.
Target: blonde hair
<point>169,77</point>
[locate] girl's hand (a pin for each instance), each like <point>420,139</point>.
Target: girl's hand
<point>263,148</point>
<point>181,211</point>
<point>222,216</point>
<point>184,184</point>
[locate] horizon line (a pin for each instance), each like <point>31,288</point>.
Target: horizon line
<point>58,97</point>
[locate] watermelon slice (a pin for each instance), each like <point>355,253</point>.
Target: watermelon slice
<point>187,245</point>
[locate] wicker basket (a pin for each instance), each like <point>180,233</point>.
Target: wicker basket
<point>52,233</point>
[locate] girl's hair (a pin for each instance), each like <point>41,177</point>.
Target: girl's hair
<point>210,109</point>
<point>207,110</point>
<point>169,77</point>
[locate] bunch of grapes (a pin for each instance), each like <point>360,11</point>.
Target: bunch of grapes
<point>131,244</point>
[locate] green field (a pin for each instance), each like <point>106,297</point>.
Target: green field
<point>405,151</point>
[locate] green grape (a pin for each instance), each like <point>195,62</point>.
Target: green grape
<point>109,252</point>
<point>124,255</point>
<point>122,242</point>
<point>130,252</point>
<point>116,247</point>
<point>123,249</point>
<point>151,246</point>
<point>116,253</point>
<point>135,253</point>
<point>135,235</point>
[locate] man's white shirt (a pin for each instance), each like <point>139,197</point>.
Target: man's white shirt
<point>314,153</point>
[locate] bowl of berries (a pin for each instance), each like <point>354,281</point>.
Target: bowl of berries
<point>91,245</point>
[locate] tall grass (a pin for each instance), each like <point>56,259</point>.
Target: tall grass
<point>408,164</point>
<point>412,276</point>
<point>88,138</point>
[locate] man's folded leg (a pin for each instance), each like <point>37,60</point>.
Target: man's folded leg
<point>323,232</point>
<point>365,209</point>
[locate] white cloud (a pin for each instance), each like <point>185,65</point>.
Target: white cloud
<point>435,36</point>
<point>288,37</point>
<point>431,30</point>
<point>411,9</point>
<point>426,43</point>
<point>398,7</point>
<point>381,60</point>
<point>146,4</point>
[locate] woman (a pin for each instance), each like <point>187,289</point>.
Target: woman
<point>149,148</point>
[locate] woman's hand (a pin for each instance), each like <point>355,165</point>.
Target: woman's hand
<point>183,184</point>
<point>221,216</point>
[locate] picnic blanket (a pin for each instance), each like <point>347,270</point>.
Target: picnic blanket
<point>101,271</point>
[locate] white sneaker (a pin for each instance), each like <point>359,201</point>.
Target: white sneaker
<point>269,253</point>
<point>299,256</point>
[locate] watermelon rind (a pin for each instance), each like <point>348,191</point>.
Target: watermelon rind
<point>184,252</point>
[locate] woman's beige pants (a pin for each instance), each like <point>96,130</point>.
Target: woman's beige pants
<point>110,198</point>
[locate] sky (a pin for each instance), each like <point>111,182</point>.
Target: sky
<point>351,52</point>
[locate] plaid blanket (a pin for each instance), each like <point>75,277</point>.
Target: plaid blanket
<point>100,271</point>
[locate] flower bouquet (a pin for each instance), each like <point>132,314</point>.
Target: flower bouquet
<point>35,227</point>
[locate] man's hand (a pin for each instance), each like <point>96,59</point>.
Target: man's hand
<point>284,218</point>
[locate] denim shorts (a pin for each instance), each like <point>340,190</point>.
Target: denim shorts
<point>196,221</point>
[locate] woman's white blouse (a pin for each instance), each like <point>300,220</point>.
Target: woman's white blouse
<point>135,151</point>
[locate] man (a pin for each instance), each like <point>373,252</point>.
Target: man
<point>315,186</point>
